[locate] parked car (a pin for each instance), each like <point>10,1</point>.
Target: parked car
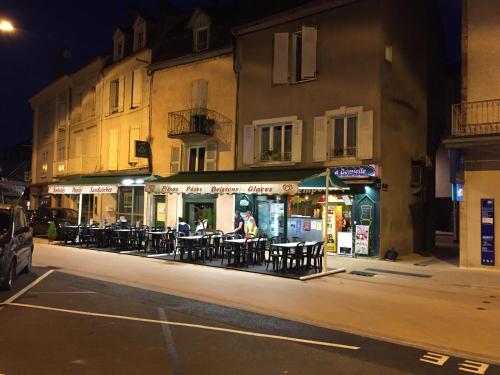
<point>61,217</point>
<point>16,244</point>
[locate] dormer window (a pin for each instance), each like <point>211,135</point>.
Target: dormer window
<point>202,35</point>
<point>139,33</point>
<point>119,45</point>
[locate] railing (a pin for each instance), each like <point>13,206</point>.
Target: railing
<point>199,122</point>
<point>270,156</point>
<point>476,118</point>
<point>74,166</point>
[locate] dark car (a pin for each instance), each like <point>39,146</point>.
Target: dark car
<point>16,244</point>
<point>61,217</point>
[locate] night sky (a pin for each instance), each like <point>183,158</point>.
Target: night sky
<point>45,27</point>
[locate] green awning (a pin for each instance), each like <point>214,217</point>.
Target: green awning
<point>318,182</point>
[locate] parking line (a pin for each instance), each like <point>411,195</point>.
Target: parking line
<point>169,342</point>
<point>188,325</point>
<point>21,292</point>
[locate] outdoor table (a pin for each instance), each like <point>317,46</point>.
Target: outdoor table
<point>74,228</point>
<point>239,242</point>
<point>286,247</point>
<point>100,236</point>
<point>155,237</point>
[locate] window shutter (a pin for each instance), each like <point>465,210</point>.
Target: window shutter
<point>297,141</point>
<point>136,88</point>
<point>248,145</point>
<point>211,157</point>
<point>365,135</point>
<point>113,150</point>
<point>320,138</point>
<point>309,39</point>
<point>280,65</point>
<point>175,159</point>
<point>199,93</point>
<point>134,135</point>
<point>121,92</point>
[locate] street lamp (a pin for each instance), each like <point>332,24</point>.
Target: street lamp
<point>6,26</point>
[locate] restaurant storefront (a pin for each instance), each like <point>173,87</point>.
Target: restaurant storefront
<point>289,204</point>
<point>103,199</point>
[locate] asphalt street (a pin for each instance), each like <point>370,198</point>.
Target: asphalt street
<point>70,324</point>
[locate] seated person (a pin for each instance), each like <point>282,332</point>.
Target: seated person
<point>183,226</point>
<point>122,221</point>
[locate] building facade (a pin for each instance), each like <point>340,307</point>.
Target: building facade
<point>475,136</point>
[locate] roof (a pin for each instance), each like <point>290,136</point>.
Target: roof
<point>261,175</point>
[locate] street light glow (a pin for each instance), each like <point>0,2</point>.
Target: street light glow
<point>6,26</point>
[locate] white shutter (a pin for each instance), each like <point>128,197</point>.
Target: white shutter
<point>211,157</point>
<point>365,136</point>
<point>248,145</point>
<point>297,141</point>
<point>121,92</point>
<point>280,64</point>
<point>175,159</point>
<point>309,39</point>
<point>134,135</point>
<point>199,93</point>
<point>320,138</point>
<point>113,150</point>
<point>136,88</point>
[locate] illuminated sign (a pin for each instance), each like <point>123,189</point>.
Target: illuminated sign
<point>284,188</point>
<point>83,189</point>
<point>356,171</point>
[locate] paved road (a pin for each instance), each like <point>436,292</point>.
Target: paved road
<point>71,324</point>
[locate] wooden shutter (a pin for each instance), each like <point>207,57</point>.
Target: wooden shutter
<point>365,135</point>
<point>134,135</point>
<point>121,93</point>
<point>297,141</point>
<point>248,145</point>
<point>175,159</point>
<point>309,41</point>
<point>136,88</point>
<point>280,64</point>
<point>320,138</point>
<point>211,157</point>
<point>199,93</point>
<point>113,150</point>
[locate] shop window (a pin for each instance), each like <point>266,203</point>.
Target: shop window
<point>131,204</point>
<point>343,141</point>
<point>276,142</point>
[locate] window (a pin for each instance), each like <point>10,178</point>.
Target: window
<point>202,36</point>
<point>276,142</point>
<point>118,50</point>
<point>114,88</point>
<point>343,141</point>
<point>139,40</point>
<point>45,163</point>
<point>196,159</point>
<point>131,204</point>
<point>297,57</point>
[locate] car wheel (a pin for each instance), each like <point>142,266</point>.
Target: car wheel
<point>9,280</point>
<point>28,267</point>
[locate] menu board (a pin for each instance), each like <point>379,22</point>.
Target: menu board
<point>361,241</point>
<point>487,232</point>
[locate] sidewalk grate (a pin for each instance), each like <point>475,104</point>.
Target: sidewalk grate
<point>400,273</point>
<point>363,273</point>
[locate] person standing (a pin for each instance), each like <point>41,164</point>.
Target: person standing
<point>239,224</point>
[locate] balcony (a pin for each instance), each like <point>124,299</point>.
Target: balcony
<point>75,166</point>
<point>476,118</point>
<point>199,123</point>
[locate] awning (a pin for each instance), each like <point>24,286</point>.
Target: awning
<point>318,182</point>
<point>98,184</point>
<point>262,182</point>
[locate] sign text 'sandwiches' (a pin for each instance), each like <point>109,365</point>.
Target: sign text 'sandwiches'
<point>83,189</point>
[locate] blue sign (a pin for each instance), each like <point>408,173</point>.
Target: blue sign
<point>457,192</point>
<point>488,232</point>
<point>355,171</point>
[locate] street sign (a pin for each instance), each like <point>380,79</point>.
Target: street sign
<point>142,149</point>
<point>488,232</point>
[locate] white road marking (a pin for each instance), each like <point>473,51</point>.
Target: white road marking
<point>188,325</point>
<point>80,292</point>
<point>128,252</point>
<point>169,342</point>
<point>21,292</point>
<point>473,367</point>
<point>157,255</point>
<point>435,358</point>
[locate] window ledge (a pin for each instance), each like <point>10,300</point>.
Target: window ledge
<point>272,163</point>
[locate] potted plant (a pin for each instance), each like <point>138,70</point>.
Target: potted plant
<point>52,231</point>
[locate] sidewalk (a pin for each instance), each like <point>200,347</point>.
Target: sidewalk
<point>453,311</point>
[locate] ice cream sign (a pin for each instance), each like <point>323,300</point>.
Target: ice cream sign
<point>285,188</point>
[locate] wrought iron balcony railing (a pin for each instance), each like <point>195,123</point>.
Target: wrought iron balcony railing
<point>199,122</point>
<point>476,118</point>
